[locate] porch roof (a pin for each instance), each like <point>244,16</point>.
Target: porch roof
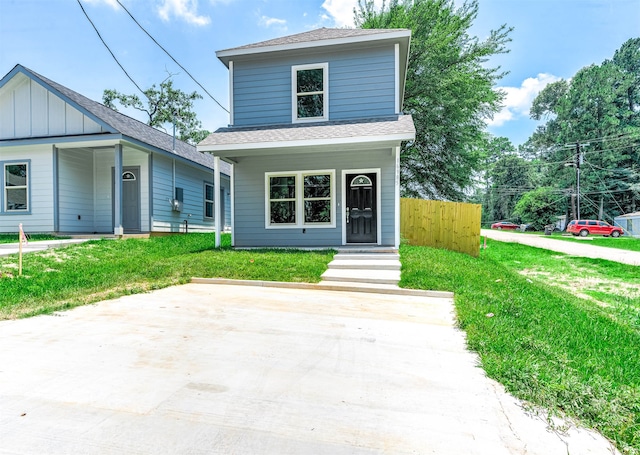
<point>392,129</point>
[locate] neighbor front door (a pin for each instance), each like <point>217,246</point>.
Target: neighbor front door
<point>361,216</point>
<point>130,199</point>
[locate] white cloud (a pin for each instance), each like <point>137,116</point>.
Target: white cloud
<point>518,100</point>
<point>341,11</point>
<point>186,10</point>
<point>266,21</point>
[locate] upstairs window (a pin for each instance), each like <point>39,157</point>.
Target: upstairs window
<point>16,189</point>
<point>310,94</point>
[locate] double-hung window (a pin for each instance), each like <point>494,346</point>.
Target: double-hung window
<point>310,101</point>
<point>208,201</point>
<point>16,186</point>
<point>300,199</point>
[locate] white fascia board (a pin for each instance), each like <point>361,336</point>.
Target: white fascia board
<point>388,138</point>
<point>62,142</point>
<point>226,54</point>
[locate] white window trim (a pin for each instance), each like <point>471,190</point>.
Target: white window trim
<point>212,201</point>
<point>299,198</point>
<point>325,92</point>
<point>27,187</point>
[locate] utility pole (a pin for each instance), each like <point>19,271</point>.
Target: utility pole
<point>578,160</point>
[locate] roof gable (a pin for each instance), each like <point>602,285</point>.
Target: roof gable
<point>317,38</point>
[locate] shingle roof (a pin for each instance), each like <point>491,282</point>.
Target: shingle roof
<point>317,35</point>
<point>131,127</point>
<point>397,125</point>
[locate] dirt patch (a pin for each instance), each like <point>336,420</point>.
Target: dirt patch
<point>577,285</point>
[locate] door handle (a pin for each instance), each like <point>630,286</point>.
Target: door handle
<point>347,215</point>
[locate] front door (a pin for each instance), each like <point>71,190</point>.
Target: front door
<point>361,213</point>
<point>130,199</point>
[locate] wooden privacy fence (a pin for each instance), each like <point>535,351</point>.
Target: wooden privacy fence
<point>450,225</point>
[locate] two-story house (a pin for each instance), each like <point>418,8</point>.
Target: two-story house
<point>314,138</point>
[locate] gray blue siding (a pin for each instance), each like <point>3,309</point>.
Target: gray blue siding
<point>249,177</point>
<point>361,85</point>
<point>192,181</point>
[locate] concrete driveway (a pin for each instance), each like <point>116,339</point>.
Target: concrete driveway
<point>228,369</point>
<point>582,248</point>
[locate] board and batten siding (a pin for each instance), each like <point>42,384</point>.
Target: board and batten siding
<point>27,109</point>
<point>361,84</point>
<point>191,180</point>
<point>249,184</point>
<point>40,216</point>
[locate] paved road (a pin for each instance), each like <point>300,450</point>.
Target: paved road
<point>573,248</point>
<point>228,369</point>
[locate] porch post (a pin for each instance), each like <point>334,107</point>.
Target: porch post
<point>117,192</point>
<point>396,196</point>
<point>56,204</point>
<point>216,197</point>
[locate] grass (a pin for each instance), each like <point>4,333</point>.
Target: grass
<point>13,238</point>
<point>63,278</point>
<point>575,356</point>
<point>623,243</point>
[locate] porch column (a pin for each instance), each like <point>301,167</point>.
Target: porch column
<point>216,198</point>
<point>117,192</point>
<point>56,191</point>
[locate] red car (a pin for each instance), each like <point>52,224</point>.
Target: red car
<point>594,227</point>
<point>505,225</point>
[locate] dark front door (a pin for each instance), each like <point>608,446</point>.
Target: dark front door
<point>361,208</point>
<point>130,199</point>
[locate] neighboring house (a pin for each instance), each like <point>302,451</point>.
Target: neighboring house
<point>314,138</point>
<point>630,222</point>
<point>71,165</point>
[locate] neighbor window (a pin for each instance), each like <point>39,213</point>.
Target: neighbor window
<point>310,94</point>
<point>300,199</point>
<point>16,189</point>
<point>208,201</point>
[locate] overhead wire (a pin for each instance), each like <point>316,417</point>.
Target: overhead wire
<point>171,57</point>
<point>109,49</point>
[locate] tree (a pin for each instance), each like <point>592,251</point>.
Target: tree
<point>164,106</point>
<point>449,91</point>
<point>599,106</point>
<point>539,207</point>
<point>509,179</point>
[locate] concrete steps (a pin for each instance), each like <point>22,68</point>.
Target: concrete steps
<point>361,267</point>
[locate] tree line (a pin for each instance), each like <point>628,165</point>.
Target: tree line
<point>589,140</point>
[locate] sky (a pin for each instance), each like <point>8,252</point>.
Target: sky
<point>552,39</point>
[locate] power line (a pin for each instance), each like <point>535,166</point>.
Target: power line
<point>110,52</point>
<point>606,138</point>
<point>171,57</point>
